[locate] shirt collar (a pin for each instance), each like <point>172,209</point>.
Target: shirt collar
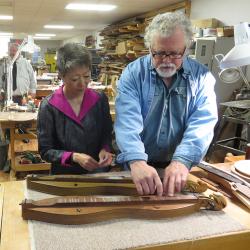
<point>59,101</point>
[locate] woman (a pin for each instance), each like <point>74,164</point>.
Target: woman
<point>74,123</point>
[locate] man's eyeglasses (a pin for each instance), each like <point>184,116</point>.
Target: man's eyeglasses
<point>164,54</point>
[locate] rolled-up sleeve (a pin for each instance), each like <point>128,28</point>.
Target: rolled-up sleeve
<point>129,120</point>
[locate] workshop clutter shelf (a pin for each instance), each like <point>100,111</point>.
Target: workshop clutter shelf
<point>123,42</point>
<point>26,121</point>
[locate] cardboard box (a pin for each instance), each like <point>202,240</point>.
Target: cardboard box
<point>121,48</point>
<point>206,23</point>
<point>227,31</point>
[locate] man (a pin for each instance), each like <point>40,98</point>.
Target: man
<point>24,81</point>
<point>165,109</point>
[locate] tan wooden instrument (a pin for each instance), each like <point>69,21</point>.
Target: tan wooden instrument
<point>96,185</point>
<point>90,209</point>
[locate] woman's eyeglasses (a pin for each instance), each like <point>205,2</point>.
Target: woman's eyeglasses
<point>164,54</point>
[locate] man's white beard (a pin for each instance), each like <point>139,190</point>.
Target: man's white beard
<point>166,70</point>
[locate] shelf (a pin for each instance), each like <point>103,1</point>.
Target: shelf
<point>29,167</point>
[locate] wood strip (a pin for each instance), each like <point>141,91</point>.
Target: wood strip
<point>1,207</point>
<point>13,225</point>
<point>81,188</point>
<point>80,178</point>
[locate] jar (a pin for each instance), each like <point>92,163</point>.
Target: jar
<point>248,151</point>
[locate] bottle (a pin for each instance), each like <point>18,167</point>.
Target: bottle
<point>248,151</point>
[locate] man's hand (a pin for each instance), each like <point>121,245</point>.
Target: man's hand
<point>85,161</point>
<point>105,158</point>
<point>146,179</point>
<point>175,178</point>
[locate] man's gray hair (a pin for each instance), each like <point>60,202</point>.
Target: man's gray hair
<point>72,55</point>
<point>165,24</point>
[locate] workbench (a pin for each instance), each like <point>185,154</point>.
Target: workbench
<point>15,233</point>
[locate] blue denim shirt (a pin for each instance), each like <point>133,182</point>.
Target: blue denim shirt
<point>136,90</point>
<point>164,128</point>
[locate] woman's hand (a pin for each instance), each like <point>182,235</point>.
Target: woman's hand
<point>105,158</point>
<point>85,161</point>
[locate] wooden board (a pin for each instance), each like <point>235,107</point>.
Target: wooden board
<point>17,116</point>
<point>243,167</point>
<point>14,233</point>
<point>240,175</point>
<point>1,204</point>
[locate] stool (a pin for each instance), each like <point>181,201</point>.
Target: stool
<point>222,144</point>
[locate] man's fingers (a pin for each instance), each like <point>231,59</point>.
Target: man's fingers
<point>139,188</point>
<point>178,183</point>
<point>183,181</point>
<point>151,185</point>
<point>170,187</point>
<point>145,187</point>
<point>158,185</point>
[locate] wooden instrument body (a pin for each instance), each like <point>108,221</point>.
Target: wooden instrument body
<point>90,209</point>
<point>96,185</point>
<point>90,200</point>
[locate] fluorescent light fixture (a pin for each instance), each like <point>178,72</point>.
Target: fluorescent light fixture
<point>65,27</point>
<point>6,34</point>
<point>94,7</point>
<point>42,37</point>
<point>3,17</point>
<point>42,34</point>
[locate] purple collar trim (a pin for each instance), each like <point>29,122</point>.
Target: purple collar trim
<point>59,101</point>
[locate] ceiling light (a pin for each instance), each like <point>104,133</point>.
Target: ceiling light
<point>95,7</point>
<point>66,27</point>
<point>3,17</point>
<point>45,34</point>
<point>42,37</point>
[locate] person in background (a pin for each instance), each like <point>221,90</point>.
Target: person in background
<point>165,109</point>
<point>74,123</point>
<point>24,80</point>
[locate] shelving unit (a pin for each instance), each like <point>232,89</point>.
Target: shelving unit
<point>15,121</point>
<point>123,42</point>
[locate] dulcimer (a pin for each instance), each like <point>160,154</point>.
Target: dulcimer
<point>231,182</point>
<point>91,209</point>
<point>96,185</point>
